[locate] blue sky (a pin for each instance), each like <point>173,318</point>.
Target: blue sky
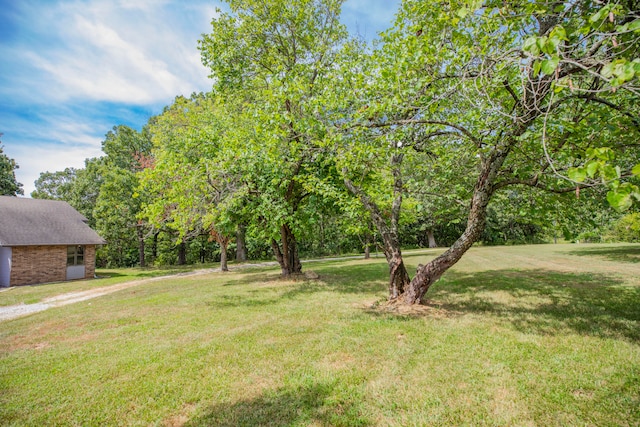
<point>73,69</point>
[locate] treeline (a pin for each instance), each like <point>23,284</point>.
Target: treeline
<point>467,122</point>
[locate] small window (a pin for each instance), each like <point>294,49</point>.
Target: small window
<point>75,255</point>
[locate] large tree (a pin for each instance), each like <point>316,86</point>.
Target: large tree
<point>55,185</point>
<point>192,178</point>
<point>116,209</point>
<point>521,87</point>
<point>271,58</point>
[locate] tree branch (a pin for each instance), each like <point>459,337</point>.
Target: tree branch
<point>369,204</point>
<point>535,183</point>
<point>459,128</point>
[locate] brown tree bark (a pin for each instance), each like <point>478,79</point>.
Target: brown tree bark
<point>287,255</point>
<point>141,247</point>
<point>182,253</point>
<point>398,275</point>
<point>154,246</point>
<point>367,248</point>
<point>223,241</point>
<point>427,275</point>
<point>241,244</point>
<point>223,255</point>
<point>432,239</point>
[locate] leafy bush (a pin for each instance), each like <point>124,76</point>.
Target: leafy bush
<point>627,229</point>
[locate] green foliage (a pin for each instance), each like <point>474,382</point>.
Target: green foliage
<point>616,26</point>
<point>458,108</point>
<point>270,65</point>
<point>599,164</point>
<point>116,209</point>
<point>86,188</point>
<point>115,213</point>
<point>626,229</point>
<point>187,182</point>
<point>55,185</point>
<point>9,186</point>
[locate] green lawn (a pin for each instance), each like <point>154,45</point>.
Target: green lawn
<point>527,335</point>
<point>36,293</point>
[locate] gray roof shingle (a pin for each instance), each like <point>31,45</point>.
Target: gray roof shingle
<point>27,222</point>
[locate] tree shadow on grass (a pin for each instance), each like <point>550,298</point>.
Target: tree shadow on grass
<point>352,279</point>
<point>629,253</point>
<point>545,302</point>
<point>317,404</point>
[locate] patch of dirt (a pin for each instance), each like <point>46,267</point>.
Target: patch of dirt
<point>582,394</point>
<point>338,361</point>
<point>426,309</point>
<point>311,275</point>
<point>17,345</point>
<point>182,417</point>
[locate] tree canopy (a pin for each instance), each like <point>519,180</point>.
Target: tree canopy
<point>466,121</point>
<point>9,186</point>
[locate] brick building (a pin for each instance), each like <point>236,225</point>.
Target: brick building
<point>44,241</point>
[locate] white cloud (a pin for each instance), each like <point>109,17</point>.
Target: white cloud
<point>48,157</point>
<point>131,52</point>
<point>73,69</point>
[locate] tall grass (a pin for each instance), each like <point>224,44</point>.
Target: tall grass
<point>539,335</point>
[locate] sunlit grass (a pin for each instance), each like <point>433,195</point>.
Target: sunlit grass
<point>536,335</point>
<point>30,294</point>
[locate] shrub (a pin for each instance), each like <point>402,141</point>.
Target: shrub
<point>627,229</point>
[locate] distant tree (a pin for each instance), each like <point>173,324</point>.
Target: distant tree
<point>9,186</point>
<point>55,185</point>
<point>187,189</point>
<point>83,195</point>
<point>627,229</point>
<point>116,209</point>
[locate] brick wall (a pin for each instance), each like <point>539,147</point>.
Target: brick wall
<point>89,262</point>
<point>42,264</point>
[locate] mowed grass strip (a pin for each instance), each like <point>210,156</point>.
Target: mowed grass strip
<point>536,335</point>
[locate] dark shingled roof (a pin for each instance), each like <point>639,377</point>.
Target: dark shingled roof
<point>27,222</point>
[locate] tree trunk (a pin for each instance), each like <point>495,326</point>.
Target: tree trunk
<point>222,241</point>
<point>287,256</point>
<point>141,247</point>
<point>427,275</point>
<point>432,239</point>
<point>241,244</point>
<point>398,275</point>
<point>367,246</point>
<point>223,254</point>
<point>182,253</point>
<point>154,246</point>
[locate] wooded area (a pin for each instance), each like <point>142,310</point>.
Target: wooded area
<point>467,121</point>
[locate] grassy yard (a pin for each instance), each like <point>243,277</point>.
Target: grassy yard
<point>528,335</point>
<point>36,293</point>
